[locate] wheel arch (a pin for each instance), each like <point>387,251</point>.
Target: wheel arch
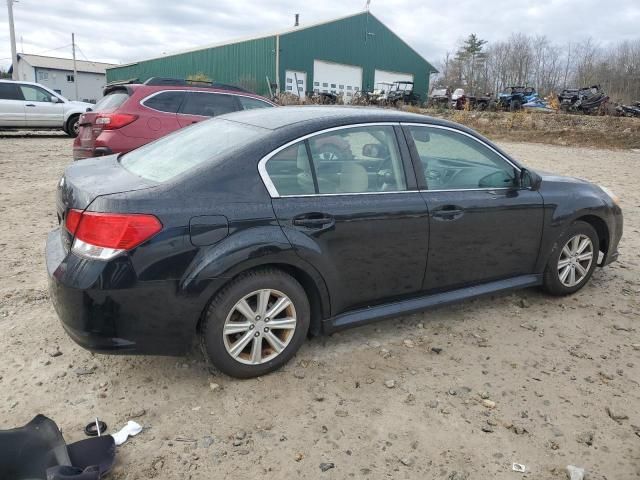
<point>311,282</point>
<point>601,228</point>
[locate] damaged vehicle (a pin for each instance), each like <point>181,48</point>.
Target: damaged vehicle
<point>584,100</point>
<point>241,231</point>
<point>629,110</point>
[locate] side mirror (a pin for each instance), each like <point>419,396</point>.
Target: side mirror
<point>54,99</point>
<point>529,179</point>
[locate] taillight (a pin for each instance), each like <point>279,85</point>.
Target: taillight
<point>112,121</point>
<point>102,236</point>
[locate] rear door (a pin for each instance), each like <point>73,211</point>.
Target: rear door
<point>483,227</point>
<point>162,114</point>
<point>350,207</point>
<point>39,110</point>
<point>198,106</point>
<point>11,105</point>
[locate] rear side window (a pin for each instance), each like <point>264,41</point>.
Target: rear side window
<point>209,104</point>
<point>249,103</point>
<point>169,101</point>
<point>10,91</point>
<point>111,101</point>
<point>205,142</point>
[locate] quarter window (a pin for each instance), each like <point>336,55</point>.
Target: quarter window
<point>290,171</point>
<point>454,161</point>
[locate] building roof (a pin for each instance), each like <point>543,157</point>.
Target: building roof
<point>265,35</point>
<point>56,63</point>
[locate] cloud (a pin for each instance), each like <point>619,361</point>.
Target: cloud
<point>122,31</point>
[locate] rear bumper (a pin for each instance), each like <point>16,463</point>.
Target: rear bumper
<point>105,308</point>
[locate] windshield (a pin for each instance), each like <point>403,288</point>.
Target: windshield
<point>185,149</point>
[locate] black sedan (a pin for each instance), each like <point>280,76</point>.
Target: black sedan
<point>257,228</point>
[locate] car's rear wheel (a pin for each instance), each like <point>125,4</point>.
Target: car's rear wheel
<point>573,260</point>
<point>72,128</point>
<point>256,323</point>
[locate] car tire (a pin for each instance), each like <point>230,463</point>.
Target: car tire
<point>226,328</point>
<point>515,105</point>
<point>572,261</point>
<point>71,128</point>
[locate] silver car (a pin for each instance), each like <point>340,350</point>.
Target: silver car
<point>31,105</point>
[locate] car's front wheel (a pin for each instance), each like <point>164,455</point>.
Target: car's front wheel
<point>256,323</point>
<point>573,260</point>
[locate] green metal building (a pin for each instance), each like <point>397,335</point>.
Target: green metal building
<point>339,56</point>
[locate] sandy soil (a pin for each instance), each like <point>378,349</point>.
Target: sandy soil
<point>550,368</point>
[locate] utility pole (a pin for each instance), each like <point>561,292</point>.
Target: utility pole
<point>12,33</point>
<point>75,70</point>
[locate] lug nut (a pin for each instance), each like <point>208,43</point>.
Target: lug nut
<point>257,317</point>
<point>251,327</point>
<point>266,329</point>
<point>257,334</point>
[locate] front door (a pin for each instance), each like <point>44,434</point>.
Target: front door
<point>344,203</point>
<point>296,83</point>
<point>482,226</point>
<point>39,110</point>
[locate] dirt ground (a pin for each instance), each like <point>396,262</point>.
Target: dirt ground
<point>457,393</point>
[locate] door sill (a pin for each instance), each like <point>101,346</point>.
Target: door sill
<point>381,312</point>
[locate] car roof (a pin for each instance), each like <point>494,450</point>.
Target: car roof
<point>325,116</point>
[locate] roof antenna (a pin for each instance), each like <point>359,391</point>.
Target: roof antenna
<point>297,23</point>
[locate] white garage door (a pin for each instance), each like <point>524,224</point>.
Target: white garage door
<point>384,76</point>
<point>293,78</point>
<point>337,78</point>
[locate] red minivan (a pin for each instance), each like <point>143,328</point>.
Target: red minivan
<point>130,115</point>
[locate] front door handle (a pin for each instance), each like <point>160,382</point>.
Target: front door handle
<point>29,105</point>
<point>448,212</point>
<point>314,220</point>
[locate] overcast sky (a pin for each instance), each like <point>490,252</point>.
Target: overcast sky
<point>122,31</point>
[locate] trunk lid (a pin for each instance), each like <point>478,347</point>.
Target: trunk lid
<point>85,181</point>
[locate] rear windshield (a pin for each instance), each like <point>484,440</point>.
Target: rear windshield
<point>111,101</point>
<point>185,149</point>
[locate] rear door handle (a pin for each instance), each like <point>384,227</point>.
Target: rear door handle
<point>314,220</point>
<point>448,212</point>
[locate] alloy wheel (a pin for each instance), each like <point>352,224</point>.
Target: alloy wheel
<point>575,260</point>
<point>259,326</point>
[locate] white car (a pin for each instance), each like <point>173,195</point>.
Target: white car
<point>31,105</point>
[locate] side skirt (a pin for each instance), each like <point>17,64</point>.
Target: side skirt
<point>382,312</point>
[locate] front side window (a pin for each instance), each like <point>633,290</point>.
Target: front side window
<point>35,94</point>
<point>209,104</point>
<point>169,101</point>
<point>454,161</point>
